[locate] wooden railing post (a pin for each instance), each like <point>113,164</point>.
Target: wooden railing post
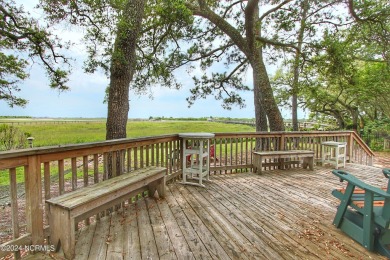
<point>34,205</point>
<point>350,147</point>
<point>182,159</point>
<point>281,142</point>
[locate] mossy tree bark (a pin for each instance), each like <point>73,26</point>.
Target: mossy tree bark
<point>122,68</point>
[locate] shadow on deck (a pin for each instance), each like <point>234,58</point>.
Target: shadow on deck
<point>282,214</point>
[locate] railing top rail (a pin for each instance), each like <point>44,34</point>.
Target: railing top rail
<point>284,133</point>
<point>360,141</point>
<point>111,145</point>
<point>69,147</point>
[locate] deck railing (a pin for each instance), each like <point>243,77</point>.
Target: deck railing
<point>234,150</point>
<point>35,175</point>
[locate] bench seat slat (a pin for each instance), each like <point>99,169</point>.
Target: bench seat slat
<point>286,153</point>
<point>282,159</point>
<point>79,197</point>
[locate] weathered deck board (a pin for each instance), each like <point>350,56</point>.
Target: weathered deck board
<point>206,237</point>
<point>227,236</point>
<point>99,242</point>
<point>131,243</point>
<point>145,232</point>
<point>163,241</point>
<point>181,248</point>
<point>84,241</point>
<point>273,219</point>
<point>115,239</point>
<point>198,249</point>
<point>282,214</point>
<point>261,233</point>
<point>228,219</point>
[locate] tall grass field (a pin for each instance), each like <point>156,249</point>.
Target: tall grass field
<point>49,134</point>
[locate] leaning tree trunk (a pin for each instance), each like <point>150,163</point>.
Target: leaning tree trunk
<point>122,70</point>
<point>265,104</point>
<point>266,109</point>
<point>261,116</point>
<point>267,100</point>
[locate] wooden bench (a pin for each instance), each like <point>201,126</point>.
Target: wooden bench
<point>66,210</point>
<point>279,159</point>
<point>364,212</point>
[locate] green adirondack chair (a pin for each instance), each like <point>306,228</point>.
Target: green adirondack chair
<point>364,212</point>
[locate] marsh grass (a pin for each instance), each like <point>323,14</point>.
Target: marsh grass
<point>85,132</point>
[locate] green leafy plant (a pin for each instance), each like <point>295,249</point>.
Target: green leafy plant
<point>12,137</point>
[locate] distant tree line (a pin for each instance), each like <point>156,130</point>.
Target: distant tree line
<point>15,117</point>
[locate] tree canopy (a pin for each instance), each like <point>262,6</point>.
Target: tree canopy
<point>338,64</point>
<point>23,41</point>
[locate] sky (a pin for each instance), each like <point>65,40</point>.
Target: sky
<point>85,98</point>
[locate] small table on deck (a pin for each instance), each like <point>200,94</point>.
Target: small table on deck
<point>198,151</point>
<point>308,159</point>
<point>333,152</point>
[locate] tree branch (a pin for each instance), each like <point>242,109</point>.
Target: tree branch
<point>204,11</point>
<point>353,13</point>
<point>274,9</point>
<point>236,69</point>
<point>231,6</point>
<point>275,43</point>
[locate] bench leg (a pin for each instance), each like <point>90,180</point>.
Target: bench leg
<point>161,188</point>
<point>62,231</point>
<point>311,163</point>
<point>260,166</point>
<point>308,161</point>
<point>257,164</point>
<point>158,186</point>
<point>305,163</point>
<point>281,164</point>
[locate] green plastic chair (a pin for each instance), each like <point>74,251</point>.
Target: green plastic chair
<point>364,212</point>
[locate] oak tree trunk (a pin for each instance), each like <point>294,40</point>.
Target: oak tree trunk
<point>266,107</point>
<point>122,68</point>
<point>265,104</point>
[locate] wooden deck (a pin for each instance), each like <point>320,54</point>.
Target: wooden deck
<point>282,214</point>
